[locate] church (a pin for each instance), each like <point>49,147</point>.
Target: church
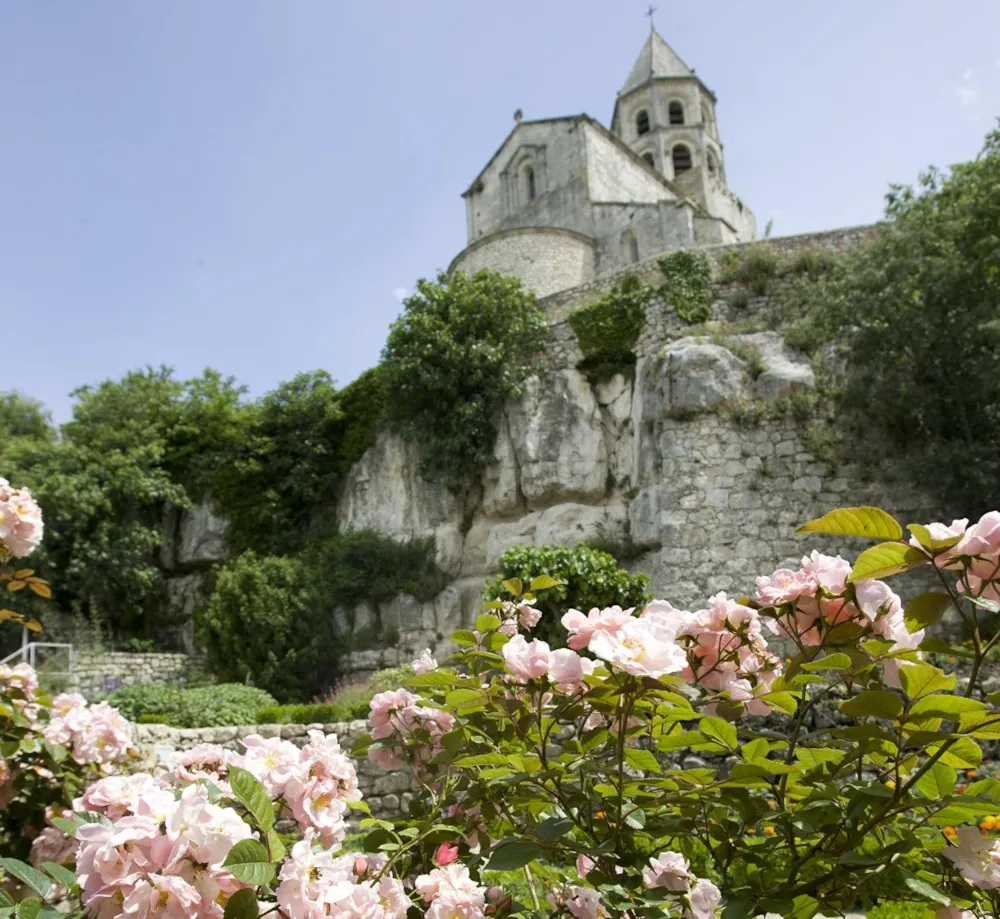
<point>565,200</point>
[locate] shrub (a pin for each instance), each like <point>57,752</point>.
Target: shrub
<point>265,623</point>
<point>137,702</point>
<point>756,266</point>
<point>686,285</point>
<point>588,578</point>
<point>813,262</point>
<point>461,349</point>
<point>608,330</point>
<point>195,707</point>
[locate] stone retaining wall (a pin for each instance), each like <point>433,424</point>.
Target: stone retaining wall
<point>387,793</point>
<point>105,671</point>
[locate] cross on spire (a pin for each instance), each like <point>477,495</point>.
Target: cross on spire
<point>649,13</point>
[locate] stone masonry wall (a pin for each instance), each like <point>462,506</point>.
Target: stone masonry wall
<point>106,671</point>
<point>387,793</point>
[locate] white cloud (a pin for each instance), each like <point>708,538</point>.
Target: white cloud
<point>968,95</point>
<point>400,293</point>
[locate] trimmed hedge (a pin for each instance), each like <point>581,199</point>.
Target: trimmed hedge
<point>220,705</point>
<point>315,713</point>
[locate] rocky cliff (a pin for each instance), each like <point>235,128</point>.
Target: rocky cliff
<point>693,463</point>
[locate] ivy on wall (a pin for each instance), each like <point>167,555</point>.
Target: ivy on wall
<point>686,286</point>
<point>608,330</point>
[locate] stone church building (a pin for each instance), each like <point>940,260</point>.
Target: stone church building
<point>564,200</point>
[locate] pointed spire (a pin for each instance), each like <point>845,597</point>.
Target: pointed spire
<point>656,59</point>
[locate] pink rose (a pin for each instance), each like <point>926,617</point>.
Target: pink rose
<point>445,855</point>
<point>526,661</point>
<point>669,870</point>
<point>568,669</point>
<point>703,900</point>
<point>582,628</point>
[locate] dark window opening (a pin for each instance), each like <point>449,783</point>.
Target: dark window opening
<point>642,122</point>
<point>681,156</point>
<point>529,178</point>
<point>648,157</point>
<point>676,113</point>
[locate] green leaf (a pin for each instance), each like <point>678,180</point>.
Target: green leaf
<point>61,874</point>
<point>242,905</point>
<point>961,754</point>
<point>543,582</point>
<point>756,749</point>
<point>886,559</point>
<point>553,828</point>
<point>923,536</point>
<point>925,610</point>
<point>34,878</point>
<point>919,680</point>
<point>29,909</point>
<point>486,623</point>
<point>719,730</point>
<point>838,661</point>
<point>6,900</point>
<point>923,889</point>
<point>253,796</point>
<point>464,638</point>
<point>67,826</point>
<point>943,706</point>
<point>247,861</point>
<point>938,782</point>
<point>879,703</point>
<point>636,819</point>
<point>510,855</point>
<point>783,701</point>
<point>483,759</point>
<point>867,522</point>
<point>641,759</point>
<point>513,586</point>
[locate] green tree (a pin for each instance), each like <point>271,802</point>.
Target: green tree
<point>266,625</point>
<point>915,314</point>
<point>283,472</point>
<point>461,349</point>
<point>22,417</point>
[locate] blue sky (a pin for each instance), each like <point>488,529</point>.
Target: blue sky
<point>251,184</point>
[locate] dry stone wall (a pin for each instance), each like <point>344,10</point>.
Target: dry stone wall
<point>387,793</point>
<point>105,671</point>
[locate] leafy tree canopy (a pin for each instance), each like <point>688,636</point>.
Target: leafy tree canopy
<point>915,316</point>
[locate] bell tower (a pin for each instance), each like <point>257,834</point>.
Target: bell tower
<point>666,114</point>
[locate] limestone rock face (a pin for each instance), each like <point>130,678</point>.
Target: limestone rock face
<point>386,492</point>
<point>688,375</point>
<point>501,480</point>
<point>558,441</point>
<point>572,524</point>
<point>787,369</point>
<point>201,537</point>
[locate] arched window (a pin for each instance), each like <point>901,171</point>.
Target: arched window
<point>642,122</point>
<point>528,181</point>
<point>713,167</point>
<point>676,112</point>
<point>706,115</point>
<point>630,246</point>
<point>681,157</point>
<point>649,158</point>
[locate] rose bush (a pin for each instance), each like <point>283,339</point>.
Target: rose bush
<point>665,763</point>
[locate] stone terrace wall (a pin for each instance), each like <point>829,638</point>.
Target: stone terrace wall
<point>106,671</point>
<point>387,793</point>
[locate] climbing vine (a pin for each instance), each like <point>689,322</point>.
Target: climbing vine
<point>607,331</point>
<point>686,285</point>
